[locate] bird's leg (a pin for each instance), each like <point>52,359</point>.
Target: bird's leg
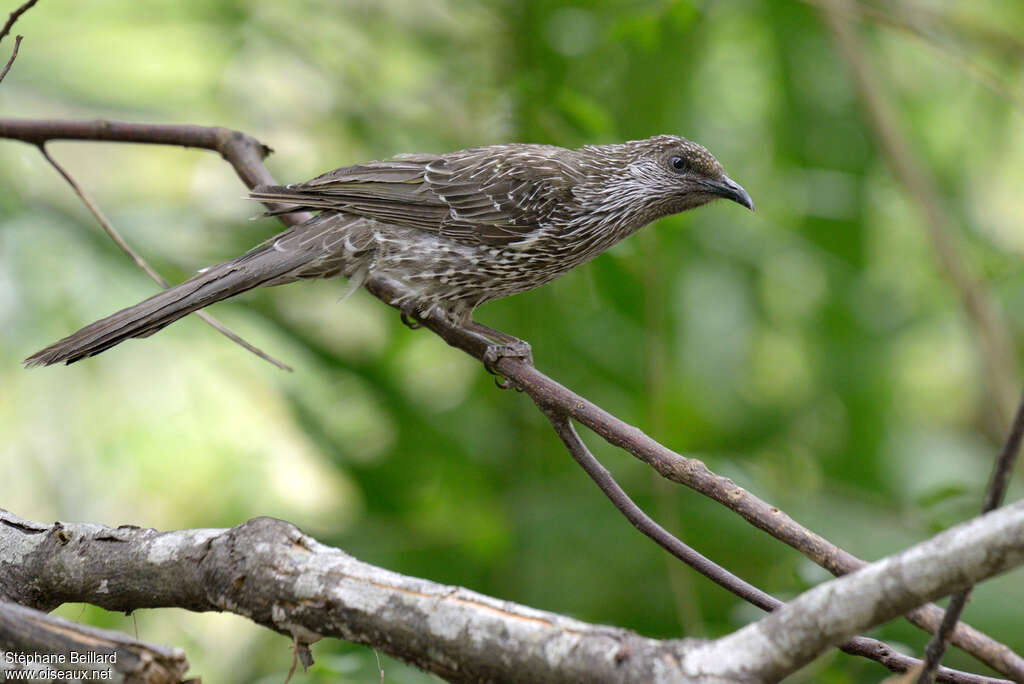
<point>499,345</point>
<point>410,321</point>
<point>410,316</point>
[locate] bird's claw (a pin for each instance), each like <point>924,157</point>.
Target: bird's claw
<point>410,321</point>
<point>494,353</point>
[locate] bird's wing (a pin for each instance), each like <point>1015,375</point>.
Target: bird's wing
<point>499,195</point>
<point>392,191</point>
<point>492,196</point>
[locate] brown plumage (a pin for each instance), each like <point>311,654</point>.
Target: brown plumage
<point>454,230</point>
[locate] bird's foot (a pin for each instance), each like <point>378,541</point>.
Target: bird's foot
<point>411,316</point>
<point>511,348</point>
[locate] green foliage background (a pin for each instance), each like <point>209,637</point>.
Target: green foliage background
<point>812,351</point>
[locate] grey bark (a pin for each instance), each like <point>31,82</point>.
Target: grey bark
<point>28,635</point>
<point>795,634</point>
<point>269,571</point>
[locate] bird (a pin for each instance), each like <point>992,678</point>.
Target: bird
<point>450,231</point>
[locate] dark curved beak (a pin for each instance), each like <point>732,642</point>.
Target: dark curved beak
<point>729,189</point>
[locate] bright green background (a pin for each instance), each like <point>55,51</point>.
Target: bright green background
<point>812,351</point>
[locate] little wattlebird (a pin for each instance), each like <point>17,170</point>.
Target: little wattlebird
<point>452,231</point>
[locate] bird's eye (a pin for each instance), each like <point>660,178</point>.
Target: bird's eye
<point>678,164</point>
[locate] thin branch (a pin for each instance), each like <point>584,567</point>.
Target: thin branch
<point>109,229</point>
<point>640,520</point>
<point>993,499</point>
<point>9,24</point>
<point>1000,481</point>
<point>993,335</point>
<point>857,646</point>
<point>14,55</point>
<point>244,152</point>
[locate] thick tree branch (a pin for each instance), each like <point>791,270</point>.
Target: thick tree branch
<point>25,632</point>
<point>794,634</point>
<point>245,155</point>
<point>270,572</point>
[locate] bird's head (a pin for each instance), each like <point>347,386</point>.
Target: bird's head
<point>683,174</point>
<point>660,176</point>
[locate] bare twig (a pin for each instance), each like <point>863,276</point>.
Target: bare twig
<point>993,499</point>
<point>993,336</point>
<point>14,55</point>
<point>1000,481</point>
<point>244,152</point>
<point>109,229</point>
<point>9,24</point>
<point>633,513</point>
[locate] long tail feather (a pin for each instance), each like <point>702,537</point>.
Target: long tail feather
<point>256,268</point>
